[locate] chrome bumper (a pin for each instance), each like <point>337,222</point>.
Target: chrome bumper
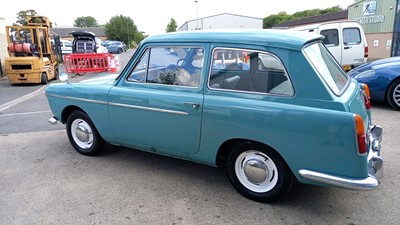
<point>53,121</point>
<point>375,168</point>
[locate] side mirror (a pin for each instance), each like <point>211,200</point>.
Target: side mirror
<point>63,77</point>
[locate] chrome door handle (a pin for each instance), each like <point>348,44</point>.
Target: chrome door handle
<point>194,105</point>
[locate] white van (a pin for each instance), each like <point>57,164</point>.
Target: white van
<point>66,46</point>
<point>344,39</point>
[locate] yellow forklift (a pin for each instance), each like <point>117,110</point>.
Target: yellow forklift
<point>30,55</point>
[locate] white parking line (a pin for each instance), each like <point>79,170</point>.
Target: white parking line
<point>24,113</point>
<point>21,99</point>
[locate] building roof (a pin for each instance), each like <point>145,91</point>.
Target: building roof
<point>340,15</point>
<point>265,37</point>
<point>65,31</point>
<point>231,14</point>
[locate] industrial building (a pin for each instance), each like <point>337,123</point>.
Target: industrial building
<point>224,20</point>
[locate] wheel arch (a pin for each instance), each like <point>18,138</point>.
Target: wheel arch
<point>224,150</point>
<point>67,111</point>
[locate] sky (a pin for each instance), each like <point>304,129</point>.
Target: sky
<point>152,16</point>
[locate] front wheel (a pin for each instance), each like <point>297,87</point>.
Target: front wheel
<point>43,78</point>
<point>393,95</point>
<point>83,135</point>
<point>258,172</point>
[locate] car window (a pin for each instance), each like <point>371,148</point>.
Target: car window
<point>68,44</point>
<point>250,71</point>
<point>327,67</point>
<point>331,37</point>
<point>180,66</point>
<point>351,36</point>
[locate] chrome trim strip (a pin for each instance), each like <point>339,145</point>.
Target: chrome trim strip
<point>149,108</point>
<point>368,183</point>
<point>78,99</point>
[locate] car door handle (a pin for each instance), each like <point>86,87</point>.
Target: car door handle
<point>346,47</point>
<point>194,105</point>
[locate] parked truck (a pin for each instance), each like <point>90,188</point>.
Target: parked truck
<point>30,55</point>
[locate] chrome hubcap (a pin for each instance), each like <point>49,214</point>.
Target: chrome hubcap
<point>256,171</point>
<point>82,133</point>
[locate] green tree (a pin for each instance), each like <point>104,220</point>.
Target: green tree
<point>123,28</point>
<point>271,20</point>
<point>22,16</point>
<point>85,21</point>
<point>171,26</point>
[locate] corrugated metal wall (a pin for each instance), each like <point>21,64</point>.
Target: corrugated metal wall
<point>381,21</point>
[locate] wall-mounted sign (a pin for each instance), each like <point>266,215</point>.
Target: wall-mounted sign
<point>370,19</point>
<point>369,8</point>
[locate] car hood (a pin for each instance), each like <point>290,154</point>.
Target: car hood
<point>375,65</point>
<point>108,79</point>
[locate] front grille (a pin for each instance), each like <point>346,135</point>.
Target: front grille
<point>21,67</point>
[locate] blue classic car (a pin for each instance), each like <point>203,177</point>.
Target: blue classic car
<point>270,107</point>
<point>383,79</point>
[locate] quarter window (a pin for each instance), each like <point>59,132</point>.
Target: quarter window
<point>331,37</point>
<point>249,71</point>
<point>180,66</point>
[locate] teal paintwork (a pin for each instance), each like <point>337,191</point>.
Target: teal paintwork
<point>313,130</point>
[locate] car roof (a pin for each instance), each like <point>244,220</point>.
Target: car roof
<point>82,33</point>
<point>268,37</point>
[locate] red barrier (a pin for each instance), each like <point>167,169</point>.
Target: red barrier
<point>85,63</point>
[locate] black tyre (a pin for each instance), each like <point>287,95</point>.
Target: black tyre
<point>393,95</point>
<point>43,78</point>
<point>56,73</point>
<point>119,51</point>
<point>83,135</point>
<point>258,172</point>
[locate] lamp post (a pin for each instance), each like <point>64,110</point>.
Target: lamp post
<point>197,14</point>
<point>129,41</point>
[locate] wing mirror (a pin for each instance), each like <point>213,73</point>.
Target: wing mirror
<point>63,77</point>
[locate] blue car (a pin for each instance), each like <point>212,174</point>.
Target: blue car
<point>383,79</point>
<point>270,107</point>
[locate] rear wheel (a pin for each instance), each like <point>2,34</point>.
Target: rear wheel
<point>258,172</point>
<point>83,135</point>
<point>119,51</point>
<point>43,78</point>
<point>393,95</point>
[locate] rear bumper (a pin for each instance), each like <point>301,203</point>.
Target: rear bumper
<point>375,168</point>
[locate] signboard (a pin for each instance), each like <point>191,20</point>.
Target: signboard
<point>369,8</point>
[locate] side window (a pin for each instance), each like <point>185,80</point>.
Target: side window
<point>249,71</point>
<point>331,37</point>
<point>351,36</point>
<point>139,72</point>
<point>180,66</point>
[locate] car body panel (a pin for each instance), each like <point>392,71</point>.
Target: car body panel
<point>312,130</point>
<point>385,72</point>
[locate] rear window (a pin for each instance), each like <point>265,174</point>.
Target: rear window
<point>327,67</point>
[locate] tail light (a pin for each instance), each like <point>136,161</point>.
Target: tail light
<point>367,96</point>
<point>361,140</point>
<point>366,52</point>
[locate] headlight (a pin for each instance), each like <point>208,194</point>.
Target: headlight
<point>366,74</point>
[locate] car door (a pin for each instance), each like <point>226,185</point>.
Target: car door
<point>157,106</point>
